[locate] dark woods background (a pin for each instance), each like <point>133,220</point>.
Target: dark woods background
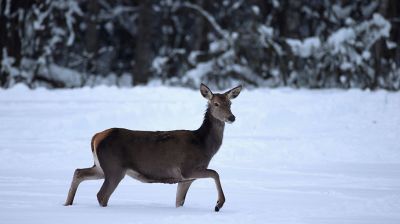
<point>297,43</point>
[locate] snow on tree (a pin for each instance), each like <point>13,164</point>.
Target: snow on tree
<point>313,44</point>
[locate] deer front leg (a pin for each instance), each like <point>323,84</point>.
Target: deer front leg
<point>181,192</point>
<point>208,173</point>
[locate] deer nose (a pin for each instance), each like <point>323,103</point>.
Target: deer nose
<point>231,118</point>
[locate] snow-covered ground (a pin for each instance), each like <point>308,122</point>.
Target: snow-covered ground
<point>292,156</point>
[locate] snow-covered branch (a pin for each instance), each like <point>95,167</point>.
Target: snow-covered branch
<point>119,12</point>
<point>210,19</point>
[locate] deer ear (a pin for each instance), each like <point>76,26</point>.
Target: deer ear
<point>233,93</point>
<point>205,92</point>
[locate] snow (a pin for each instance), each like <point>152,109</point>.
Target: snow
<point>391,45</point>
<point>370,9</point>
<point>341,12</point>
<point>346,66</point>
<point>369,31</point>
<point>69,76</point>
<point>304,48</point>
<point>255,9</point>
<point>7,64</point>
<point>292,156</point>
<point>194,75</point>
<point>266,31</point>
<point>376,28</point>
<point>158,63</point>
<point>341,36</point>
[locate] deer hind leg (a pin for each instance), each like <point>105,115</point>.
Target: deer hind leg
<point>111,181</point>
<point>181,192</point>
<point>80,175</point>
<point>208,173</point>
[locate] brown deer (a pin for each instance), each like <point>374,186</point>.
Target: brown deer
<point>179,156</point>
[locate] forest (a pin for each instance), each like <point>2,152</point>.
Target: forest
<point>259,43</point>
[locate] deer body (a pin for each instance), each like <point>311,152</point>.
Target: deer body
<point>179,156</point>
<point>178,152</point>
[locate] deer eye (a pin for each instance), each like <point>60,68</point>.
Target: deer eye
<point>216,104</point>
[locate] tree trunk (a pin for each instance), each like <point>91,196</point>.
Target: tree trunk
<point>378,49</point>
<point>10,40</point>
<point>91,31</point>
<point>199,30</point>
<point>143,50</point>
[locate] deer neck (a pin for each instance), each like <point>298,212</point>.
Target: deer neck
<point>211,133</point>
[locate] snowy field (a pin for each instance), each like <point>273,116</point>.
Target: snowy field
<point>292,156</point>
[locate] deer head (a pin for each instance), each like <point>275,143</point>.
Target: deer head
<point>219,104</point>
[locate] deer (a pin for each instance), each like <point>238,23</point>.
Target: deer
<point>178,156</point>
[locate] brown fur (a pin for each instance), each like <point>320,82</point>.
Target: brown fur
<point>98,137</point>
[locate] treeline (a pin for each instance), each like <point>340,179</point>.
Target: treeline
<point>297,43</point>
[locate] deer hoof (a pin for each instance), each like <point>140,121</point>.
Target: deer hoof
<point>102,203</point>
<point>179,204</point>
<point>219,205</point>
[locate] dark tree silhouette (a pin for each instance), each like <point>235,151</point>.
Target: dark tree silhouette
<point>312,44</point>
